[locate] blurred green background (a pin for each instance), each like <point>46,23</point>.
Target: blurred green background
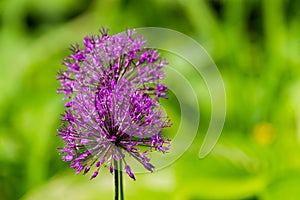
<point>256,46</point>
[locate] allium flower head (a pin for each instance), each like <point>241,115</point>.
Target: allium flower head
<point>113,88</point>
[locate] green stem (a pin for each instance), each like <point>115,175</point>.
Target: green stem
<point>121,180</point>
<point>116,180</point>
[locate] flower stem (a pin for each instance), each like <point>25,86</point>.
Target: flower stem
<point>116,180</point>
<point>121,180</point>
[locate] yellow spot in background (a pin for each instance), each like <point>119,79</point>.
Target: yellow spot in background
<point>264,133</point>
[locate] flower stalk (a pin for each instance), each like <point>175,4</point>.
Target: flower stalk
<point>116,180</point>
<point>121,181</point>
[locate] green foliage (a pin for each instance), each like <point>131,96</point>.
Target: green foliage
<point>256,47</point>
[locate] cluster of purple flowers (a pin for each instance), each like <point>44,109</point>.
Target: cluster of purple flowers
<point>113,89</point>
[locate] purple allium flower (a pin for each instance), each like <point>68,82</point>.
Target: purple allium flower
<point>113,88</point>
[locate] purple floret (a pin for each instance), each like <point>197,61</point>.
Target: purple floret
<point>112,86</point>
